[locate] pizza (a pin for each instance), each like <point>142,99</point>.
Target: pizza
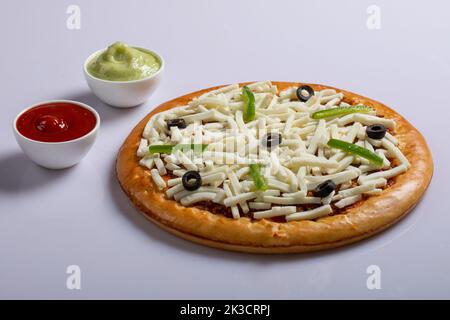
<point>274,167</point>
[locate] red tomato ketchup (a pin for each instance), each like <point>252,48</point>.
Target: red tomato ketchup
<point>56,122</point>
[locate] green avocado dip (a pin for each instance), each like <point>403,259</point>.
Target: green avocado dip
<point>123,63</point>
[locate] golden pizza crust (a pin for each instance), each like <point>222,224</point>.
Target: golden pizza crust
<point>366,218</point>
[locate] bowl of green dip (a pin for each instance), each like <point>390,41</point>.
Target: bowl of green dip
<point>123,76</point>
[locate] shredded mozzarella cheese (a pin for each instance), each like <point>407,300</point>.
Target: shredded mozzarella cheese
<point>297,165</point>
<point>310,214</point>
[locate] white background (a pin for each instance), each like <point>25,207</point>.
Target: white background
<point>52,219</point>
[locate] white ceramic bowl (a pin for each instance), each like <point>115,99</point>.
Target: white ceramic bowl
<point>124,94</point>
<point>57,155</point>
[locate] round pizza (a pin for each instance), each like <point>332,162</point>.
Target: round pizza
<point>274,167</point>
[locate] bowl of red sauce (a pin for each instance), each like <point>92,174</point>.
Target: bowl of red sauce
<point>56,134</point>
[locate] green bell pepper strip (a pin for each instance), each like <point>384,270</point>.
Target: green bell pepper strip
<point>340,111</point>
<point>249,104</point>
<point>356,150</point>
<point>168,148</point>
<point>258,179</point>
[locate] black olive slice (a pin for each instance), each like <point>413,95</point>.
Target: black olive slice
<point>302,96</point>
<point>191,180</point>
<point>271,140</point>
<point>376,131</point>
<point>324,189</point>
<point>179,123</point>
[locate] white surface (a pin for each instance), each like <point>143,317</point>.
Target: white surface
<point>52,219</point>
